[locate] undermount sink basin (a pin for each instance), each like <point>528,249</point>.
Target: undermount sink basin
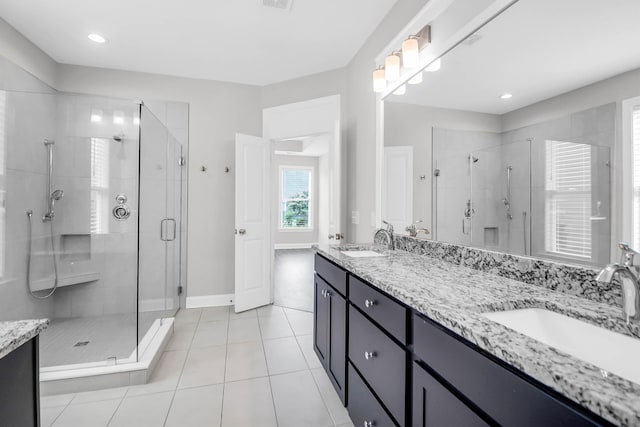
<point>361,254</point>
<point>608,350</point>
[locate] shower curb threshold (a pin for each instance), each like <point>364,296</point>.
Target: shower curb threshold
<point>98,376</point>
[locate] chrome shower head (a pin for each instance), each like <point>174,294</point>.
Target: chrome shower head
<point>57,194</point>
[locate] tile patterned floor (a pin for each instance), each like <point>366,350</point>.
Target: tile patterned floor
<point>255,368</point>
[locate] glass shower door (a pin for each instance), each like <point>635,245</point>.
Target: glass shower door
<point>160,224</point>
<point>172,224</point>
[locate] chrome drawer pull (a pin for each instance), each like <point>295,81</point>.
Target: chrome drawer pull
<point>369,303</point>
<point>369,424</point>
<point>369,355</point>
<point>323,293</point>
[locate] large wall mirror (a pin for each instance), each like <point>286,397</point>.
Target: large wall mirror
<point>515,141</point>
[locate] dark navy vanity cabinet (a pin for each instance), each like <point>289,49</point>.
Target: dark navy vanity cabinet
<point>20,386</point>
<point>330,322</point>
<point>393,366</point>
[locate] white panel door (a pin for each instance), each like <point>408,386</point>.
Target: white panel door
<point>335,186</point>
<point>253,219</point>
<point>398,186</point>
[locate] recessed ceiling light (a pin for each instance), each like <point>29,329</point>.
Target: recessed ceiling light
<point>97,38</point>
<point>506,96</point>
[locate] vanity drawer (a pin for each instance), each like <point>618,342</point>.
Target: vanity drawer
<point>506,397</point>
<point>392,316</point>
<point>334,275</point>
<point>381,362</point>
<point>363,407</point>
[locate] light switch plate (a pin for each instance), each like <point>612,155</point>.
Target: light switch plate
<point>355,217</point>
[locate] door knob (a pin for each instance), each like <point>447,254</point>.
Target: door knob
<point>369,303</point>
<point>242,231</point>
<point>369,424</point>
<point>369,355</point>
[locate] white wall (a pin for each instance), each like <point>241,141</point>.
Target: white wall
<point>216,112</point>
<point>295,237</point>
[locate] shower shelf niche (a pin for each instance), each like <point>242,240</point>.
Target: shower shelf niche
<point>67,280</point>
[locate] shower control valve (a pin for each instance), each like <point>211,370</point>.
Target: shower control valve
<point>121,211</point>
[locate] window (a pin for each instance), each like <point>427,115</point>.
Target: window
<point>635,131</point>
<point>99,186</point>
<point>568,199</point>
<point>295,198</point>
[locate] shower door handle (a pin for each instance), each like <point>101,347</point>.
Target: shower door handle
<point>162,230</point>
<point>173,235</point>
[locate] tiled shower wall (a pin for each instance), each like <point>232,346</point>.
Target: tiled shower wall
<point>30,112</point>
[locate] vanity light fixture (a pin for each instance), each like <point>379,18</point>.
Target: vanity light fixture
<point>410,52</point>
<point>401,90</point>
<point>417,79</point>
<point>434,66</point>
<point>412,46</point>
<point>97,38</point>
<point>506,96</point>
<point>379,80</point>
<point>392,67</point>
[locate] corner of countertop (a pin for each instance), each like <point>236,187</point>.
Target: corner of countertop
<point>17,332</point>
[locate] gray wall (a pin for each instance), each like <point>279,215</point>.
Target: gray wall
<point>361,119</point>
<point>15,47</point>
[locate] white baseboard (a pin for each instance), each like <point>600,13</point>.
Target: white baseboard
<point>157,304</point>
<point>293,245</point>
<point>210,301</point>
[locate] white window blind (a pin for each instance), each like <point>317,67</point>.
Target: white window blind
<point>99,185</point>
<point>568,199</point>
<point>636,175</point>
<point>3,181</point>
<point>295,198</point>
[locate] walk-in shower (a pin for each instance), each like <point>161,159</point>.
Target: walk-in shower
<point>85,184</point>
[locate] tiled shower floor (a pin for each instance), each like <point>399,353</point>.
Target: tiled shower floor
<point>107,336</point>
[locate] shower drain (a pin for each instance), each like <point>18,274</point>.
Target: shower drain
<point>81,343</point>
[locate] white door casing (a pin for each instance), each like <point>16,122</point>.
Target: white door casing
<point>397,187</point>
<point>335,184</point>
<point>253,254</point>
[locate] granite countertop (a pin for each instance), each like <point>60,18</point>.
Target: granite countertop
<point>15,333</point>
<point>455,297</point>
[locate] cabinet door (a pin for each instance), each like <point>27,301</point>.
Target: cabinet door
<point>337,361</point>
<point>434,405</point>
<point>321,321</point>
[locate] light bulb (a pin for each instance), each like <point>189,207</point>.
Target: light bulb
<point>379,81</point>
<point>401,90</point>
<point>392,67</point>
<point>434,66</point>
<point>416,79</point>
<point>410,53</point>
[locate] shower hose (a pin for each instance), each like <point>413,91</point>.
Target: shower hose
<point>53,255</point>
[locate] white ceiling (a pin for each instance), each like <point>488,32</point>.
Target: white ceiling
<point>235,41</point>
<point>535,50</point>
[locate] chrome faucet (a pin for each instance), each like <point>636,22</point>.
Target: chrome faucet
<point>413,230</point>
<point>388,233</point>
<point>631,286</point>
